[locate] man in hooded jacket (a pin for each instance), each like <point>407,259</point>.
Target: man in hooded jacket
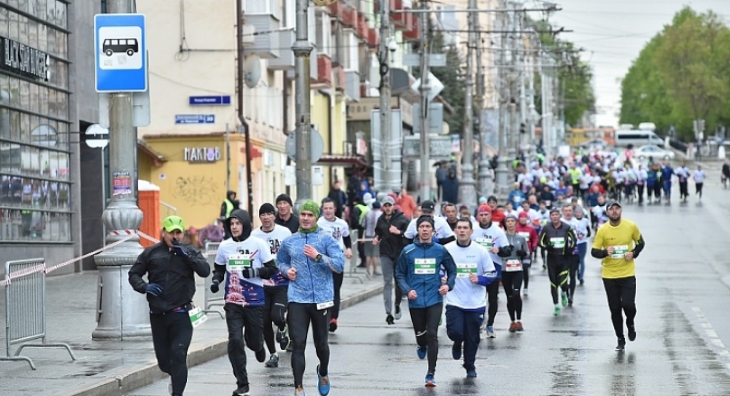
<point>227,207</point>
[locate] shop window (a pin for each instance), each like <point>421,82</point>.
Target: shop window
<point>34,225</point>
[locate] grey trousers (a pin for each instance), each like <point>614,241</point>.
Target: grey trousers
<point>387,266</point>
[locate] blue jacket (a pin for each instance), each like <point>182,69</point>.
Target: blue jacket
<point>425,279</point>
<point>313,284</point>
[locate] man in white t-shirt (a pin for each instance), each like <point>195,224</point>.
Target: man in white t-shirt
<point>441,229</point>
<point>340,231</point>
<point>699,178</point>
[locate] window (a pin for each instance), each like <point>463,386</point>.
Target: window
<point>324,33</point>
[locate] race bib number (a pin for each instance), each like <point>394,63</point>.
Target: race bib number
<point>525,235</point>
<point>325,305</point>
<point>619,251</point>
<point>513,266</point>
<point>485,242</point>
<point>463,270</point>
<point>197,316</point>
<point>557,243</point>
<point>237,262</point>
<point>425,266</point>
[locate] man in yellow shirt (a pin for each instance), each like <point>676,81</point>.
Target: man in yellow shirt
<point>618,243</point>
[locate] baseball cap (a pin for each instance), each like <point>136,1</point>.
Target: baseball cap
<point>427,206</point>
<point>172,223</point>
<point>484,208</point>
<point>522,214</point>
<point>613,202</point>
<point>388,200</point>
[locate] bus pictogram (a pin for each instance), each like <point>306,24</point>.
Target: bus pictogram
<point>129,46</point>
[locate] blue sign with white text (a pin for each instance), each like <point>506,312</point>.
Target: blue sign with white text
<point>120,53</point>
<point>194,118</point>
<point>210,100</point>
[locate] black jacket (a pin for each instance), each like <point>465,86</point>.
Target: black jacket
<point>174,273</point>
<point>292,224</point>
<point>390,244</point>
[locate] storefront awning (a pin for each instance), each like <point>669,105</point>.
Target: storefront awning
<point>342,160</point>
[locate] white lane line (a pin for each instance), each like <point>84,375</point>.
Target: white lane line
<point>721,349</point>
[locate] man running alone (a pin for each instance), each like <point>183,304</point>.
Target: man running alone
<point>418,273</point>
<point>465,304</point>
<point>618,243</point>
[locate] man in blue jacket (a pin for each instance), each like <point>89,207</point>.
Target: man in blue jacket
<point>419,274</point>
<point>307,259</point>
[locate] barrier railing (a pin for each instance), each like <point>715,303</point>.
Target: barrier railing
<point>212,299</point>
<point>25,308</point>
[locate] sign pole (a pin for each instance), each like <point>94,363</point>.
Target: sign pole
<point>122,312</point>
<point>424,88</point>
<point>302,49</point>
<point>467,184</point>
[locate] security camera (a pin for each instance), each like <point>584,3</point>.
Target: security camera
<point>392,46</point>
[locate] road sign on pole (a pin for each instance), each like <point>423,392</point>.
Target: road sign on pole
<point>120,53</point>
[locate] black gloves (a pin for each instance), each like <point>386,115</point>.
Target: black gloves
<point>250,272</point>
<point>154,289</point>
<point>180,249</point>
<point>214,286</point>
<point>521,254</point>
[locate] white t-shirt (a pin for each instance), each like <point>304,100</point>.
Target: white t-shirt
<point>699,176</point>
<point>253,252</point>
<point>337,229</point>
<point>492,236</point>
<point>274,238</point>
<point>471,259</point>
<point>440,226</point>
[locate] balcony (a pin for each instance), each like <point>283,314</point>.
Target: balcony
<point>414,34</point>
<point>285,61</point>
<point>324,70</point>
<point>352,85</point>
<point>339,78</point>
<point>402,21</point>
<point>373,38</point>
<point>349,17</point>
<point>337,10</point>
<point>264,45</point>
<point>362,26</point>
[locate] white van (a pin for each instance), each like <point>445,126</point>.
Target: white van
<point>637,138</point>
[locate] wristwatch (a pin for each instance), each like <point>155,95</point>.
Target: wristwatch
<point>318,258</point>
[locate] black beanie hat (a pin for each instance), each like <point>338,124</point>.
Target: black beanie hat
<point>285,198</point>
<point>425,218</point>
<point>267,208</point>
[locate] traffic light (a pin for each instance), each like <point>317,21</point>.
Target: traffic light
<point>523,128</point>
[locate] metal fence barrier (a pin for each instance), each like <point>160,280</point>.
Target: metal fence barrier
<point>212,299</point>
<point>25,308</point>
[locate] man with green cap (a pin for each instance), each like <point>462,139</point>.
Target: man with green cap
<point>307,259</point>
<point>170,266</point>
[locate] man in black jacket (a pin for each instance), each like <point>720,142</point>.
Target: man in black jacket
<point>170,267</point>
<point>389,230</point>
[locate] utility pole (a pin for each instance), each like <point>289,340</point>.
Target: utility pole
<point>122,312</point>
<point>521,67</point>
<point>302,49</point>
<point>502,170</point>
<point>466,183</point>
<point>385,114</point>
<point>485,173</point>
<point>424,90</point>
<point>531,97</point>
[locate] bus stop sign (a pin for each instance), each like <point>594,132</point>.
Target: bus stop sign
<point>120,53</point>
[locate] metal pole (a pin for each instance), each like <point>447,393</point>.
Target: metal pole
<point>302,49</point>
<point>531,98</point>
<point>485,173</point>
<point>466,183</point>
<point>425,88</point>
<point>122,312</point>
<point>501,172</point>
<point>228,160</point>
<point>521,66</point>
<point>386,184</point>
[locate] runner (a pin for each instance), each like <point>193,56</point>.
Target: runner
<point>699,178</point>
<point>285,217</point>
<point>572,256</point>
<point>307,259</point>
<point>417,271</point>
<point>442,231</point>
<point>641,177</point>
<point>683,175</point>
<point>389,230</point>
<point>583,232</point>
<point>559,240</point>
<point>530,234</point>
<point>512,272</point>
<point>244,261</point>
<point>666,176</point>
<point>465,304</point>
<point>489,235</point>
<point>274,288</point>
<point>618,244</point>
<point>340,232</point>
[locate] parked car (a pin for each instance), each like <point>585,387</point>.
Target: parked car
<point>651,150</point>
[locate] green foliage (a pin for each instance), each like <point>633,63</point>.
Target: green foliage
<point>681,75</point>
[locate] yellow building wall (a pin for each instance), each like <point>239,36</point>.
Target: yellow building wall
<point>144,166</point>
<point>339,135</point>
<point>320,112</point>
<point>195,189</point>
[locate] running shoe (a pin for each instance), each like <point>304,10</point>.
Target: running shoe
<point>524,292</point>
<point>490,332</point>
<point>430,381</point>
<point>570,301</point>
<point>456,351</point>
<point>389,319</point>
<point>621,345</point>
<point>422,351</point>
<point>565,299</point>
<point>299,391</point>
<point>471,373</point>
<point>518,326</point>
<point>398,313</point>
<point>261,355</point>
<point>512,327</point>
<point>556,311</point>
<point>632,332</point>
<point>323,385</point>
<point>284,340</point>
<point>273,361</point>
<point>242,391</point>
<point>333,325</point>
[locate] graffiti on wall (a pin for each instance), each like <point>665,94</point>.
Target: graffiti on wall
<point>196,190</point>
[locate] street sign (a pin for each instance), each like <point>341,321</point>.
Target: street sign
<point>317,145</point>
<point>440,147</point>
<point>97,136</point>
<point>435,117</point>
<point>434,83</point>
<point>218,100</point>
<point>120,53</point>
<point>434,60</point>
<point>194,118</point>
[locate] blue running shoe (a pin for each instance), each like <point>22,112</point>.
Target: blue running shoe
<point>299,391</point>
<point>323,385</point>
<point>422,351</point>
<point>430,381</point>
<point>456,351</point>
<point>471,373</point>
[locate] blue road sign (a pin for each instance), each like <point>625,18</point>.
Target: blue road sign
<point>120,53</point>
<point>210,100</point>
<point>194,118</point>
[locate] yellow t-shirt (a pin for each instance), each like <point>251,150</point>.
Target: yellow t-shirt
<point>623,239</point>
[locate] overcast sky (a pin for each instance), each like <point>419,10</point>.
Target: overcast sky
<point>613,32</point>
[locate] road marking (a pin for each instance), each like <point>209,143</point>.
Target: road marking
<point>712,335</point>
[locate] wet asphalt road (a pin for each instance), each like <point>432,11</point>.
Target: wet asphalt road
<point>683,329</point>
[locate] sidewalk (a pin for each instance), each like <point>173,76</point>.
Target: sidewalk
<point>115,367</point>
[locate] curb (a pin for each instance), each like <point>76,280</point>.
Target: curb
<point>145,375</point>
